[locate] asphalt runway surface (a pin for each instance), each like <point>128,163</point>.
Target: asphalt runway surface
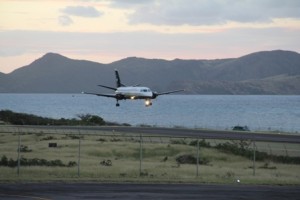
<point>207,134</point>
<point>176,132</point>
<point>47,191</point>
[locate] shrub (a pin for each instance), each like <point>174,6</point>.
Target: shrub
<point>4,161</point>
<point>202,143</point>
<point>34,162</point>
<point>25,149</point>
<point>71,164</point>
<point>29,119</point>
<point>179,141</point>
<point>190,159</point>
<point>245,151</point>
<point>75,137</point>
<point>89,119</point>
<point>49,138</point>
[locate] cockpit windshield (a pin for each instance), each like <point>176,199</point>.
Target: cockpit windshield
<point>145,90</point>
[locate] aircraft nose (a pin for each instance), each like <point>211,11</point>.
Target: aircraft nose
<point>154,95</point>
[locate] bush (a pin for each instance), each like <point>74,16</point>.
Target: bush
<point>202,143</point>
<point>89,119</point>
<point>25,149</point>
<point>179,141</point>
<point>71,164</point>
<point>190,159</point>
<point>245,151</point>
<point>4,161</point>
<point>49,138</point>
<point>75,137</point>
<point>12,163</point>
<point>29,119</point>
<point>34,162</point>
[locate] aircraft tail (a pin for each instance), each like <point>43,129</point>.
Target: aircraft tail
<point>118,80</point>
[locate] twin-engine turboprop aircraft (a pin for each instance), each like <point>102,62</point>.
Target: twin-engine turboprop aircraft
<point>123,92</point>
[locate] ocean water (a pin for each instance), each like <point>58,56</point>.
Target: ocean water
<point>280,113</point>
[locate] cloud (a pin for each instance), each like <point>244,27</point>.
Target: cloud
<point>230,43</point>
<point>209,12</point>
<point>9,51</point>
<point>22,47</point>
<point>130,3</point>
<point>82,11</point>
<point>65,20</point>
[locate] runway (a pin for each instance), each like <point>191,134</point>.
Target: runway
<point>172,132</point>
<point>206,134</point>
<point>47,191</point>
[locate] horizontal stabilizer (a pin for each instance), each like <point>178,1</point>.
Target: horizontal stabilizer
<point>111,88</point>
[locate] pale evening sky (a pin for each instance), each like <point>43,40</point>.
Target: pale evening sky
<point>108,30</point>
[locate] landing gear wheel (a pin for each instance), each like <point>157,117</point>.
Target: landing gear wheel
<point>117,104</point>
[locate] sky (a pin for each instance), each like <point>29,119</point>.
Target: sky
<point>105,31</point>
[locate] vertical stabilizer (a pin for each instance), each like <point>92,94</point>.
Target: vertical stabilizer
<point>118,81</point>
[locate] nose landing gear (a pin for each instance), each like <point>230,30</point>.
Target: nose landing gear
<point>117,104</point>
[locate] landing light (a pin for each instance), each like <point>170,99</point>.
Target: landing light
<point>148,103</point>
<point>132,97</point>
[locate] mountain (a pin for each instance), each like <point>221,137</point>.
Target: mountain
<point>268,72</point>
<point>260,65</point>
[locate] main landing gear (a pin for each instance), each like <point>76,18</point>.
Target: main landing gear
<point>117,104</point>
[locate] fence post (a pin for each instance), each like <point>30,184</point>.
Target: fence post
<point>254,149</point>
<point>197,157</point>
<point>141,153</point>
<point>286,152</point>
<point>270,149</point>
<point>19,149</point>
<point>79,144</point>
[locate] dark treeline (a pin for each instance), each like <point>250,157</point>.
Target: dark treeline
<point>14,118</point>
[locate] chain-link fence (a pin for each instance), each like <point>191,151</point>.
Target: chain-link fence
<point>71,154</point>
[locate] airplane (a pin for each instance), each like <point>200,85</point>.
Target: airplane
<point>123,92</point>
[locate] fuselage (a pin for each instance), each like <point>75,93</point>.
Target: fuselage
<point>134,92</point>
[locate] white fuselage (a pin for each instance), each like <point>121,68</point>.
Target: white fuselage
<point>135,92</point>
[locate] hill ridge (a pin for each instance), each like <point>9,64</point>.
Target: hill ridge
<point>265,72</point>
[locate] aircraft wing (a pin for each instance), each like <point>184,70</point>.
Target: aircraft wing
<point>103,95</point>
<point>168,92</point>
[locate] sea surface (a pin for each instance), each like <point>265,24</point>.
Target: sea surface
<point>275,113</point>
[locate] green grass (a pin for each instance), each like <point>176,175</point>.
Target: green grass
<point>124,152</point>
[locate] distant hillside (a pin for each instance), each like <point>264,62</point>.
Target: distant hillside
<point>259,65</point>
<point>270,72</point>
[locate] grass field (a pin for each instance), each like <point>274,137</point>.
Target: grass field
<point>153,160</point>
